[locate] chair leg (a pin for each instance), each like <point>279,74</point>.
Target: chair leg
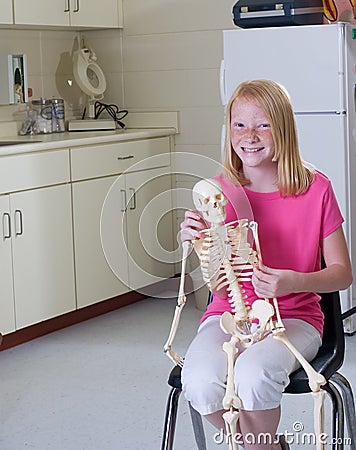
<point>170,419</point>
<point>337,416</point>
<point>198,428</point>
<point>349,406</point>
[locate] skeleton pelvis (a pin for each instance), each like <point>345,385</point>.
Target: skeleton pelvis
<point>261,312</point>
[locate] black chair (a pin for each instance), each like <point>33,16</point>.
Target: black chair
<point>328,361</point>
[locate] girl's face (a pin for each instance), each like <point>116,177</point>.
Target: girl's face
<point>251,134</point>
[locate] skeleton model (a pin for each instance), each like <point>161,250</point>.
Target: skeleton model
<point>226,259</point>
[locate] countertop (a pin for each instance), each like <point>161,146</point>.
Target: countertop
<point>42,142</point>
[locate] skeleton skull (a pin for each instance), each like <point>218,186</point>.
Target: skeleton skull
<point>209,199</point>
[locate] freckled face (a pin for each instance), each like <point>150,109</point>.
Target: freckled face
<point>251,135</point>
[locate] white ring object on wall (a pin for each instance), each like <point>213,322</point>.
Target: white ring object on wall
<point>88,75</point>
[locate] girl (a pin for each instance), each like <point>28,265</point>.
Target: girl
<point>298,219</point>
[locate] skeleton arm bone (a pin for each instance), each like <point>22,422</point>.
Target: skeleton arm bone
<point>174,357</point>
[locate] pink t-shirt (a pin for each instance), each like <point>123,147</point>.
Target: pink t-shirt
<point>290,231</point>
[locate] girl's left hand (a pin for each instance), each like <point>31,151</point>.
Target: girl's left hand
<point>269,283</point>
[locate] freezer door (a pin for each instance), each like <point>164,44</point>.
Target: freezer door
<point>307,60</point>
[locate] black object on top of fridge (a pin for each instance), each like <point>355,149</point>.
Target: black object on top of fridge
<point>259,13</point>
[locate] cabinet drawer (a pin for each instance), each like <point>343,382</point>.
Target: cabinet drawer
<point>32,170</point>
<point>110,159</point>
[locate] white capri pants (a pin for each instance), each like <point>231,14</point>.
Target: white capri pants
<point>261,371</point>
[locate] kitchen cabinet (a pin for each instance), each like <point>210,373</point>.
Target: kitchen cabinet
<point>95,280</point>
<point>149,239</point>
<point>73,13</point>
<point>37,239</point>
<point>7,305</point>
<point>83,220</point>
<point>137,216</point>
<point>6,12</point>
<point>118,191</point>
<point>42,249</point>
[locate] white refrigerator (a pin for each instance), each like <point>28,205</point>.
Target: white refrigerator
<point>317,65</point>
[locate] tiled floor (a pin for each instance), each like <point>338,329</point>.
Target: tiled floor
<point>101,385</point>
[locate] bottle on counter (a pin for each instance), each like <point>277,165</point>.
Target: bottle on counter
<point>43,109</point>
<point>58,115</point>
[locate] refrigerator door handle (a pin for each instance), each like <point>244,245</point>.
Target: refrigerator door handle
<point>222,83</point>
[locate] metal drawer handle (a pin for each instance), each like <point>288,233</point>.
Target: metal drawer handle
<point>18,213</point>
<point>77,7</point>
<point>8,234</point>
<point>66,9</point>
<point>120,158</point>
<point>133,198</point>
<point>123,200</point>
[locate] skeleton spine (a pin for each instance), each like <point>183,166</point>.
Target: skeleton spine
<point>236,299</point>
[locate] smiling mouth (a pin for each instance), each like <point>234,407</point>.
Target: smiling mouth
<point>252,150</point>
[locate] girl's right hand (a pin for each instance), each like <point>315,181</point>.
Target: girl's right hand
<point>192,225</point>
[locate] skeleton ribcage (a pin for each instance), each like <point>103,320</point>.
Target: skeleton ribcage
<point>227,246</point>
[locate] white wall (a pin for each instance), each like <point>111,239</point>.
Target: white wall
<point>171,57</point>
<point>49,66</point>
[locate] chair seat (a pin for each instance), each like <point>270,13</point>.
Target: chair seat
<point>326,362</point>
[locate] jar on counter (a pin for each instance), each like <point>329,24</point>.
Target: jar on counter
<point>43,109</point>
<point>58,116</point>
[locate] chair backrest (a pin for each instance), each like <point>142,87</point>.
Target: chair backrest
<point>333,335</point>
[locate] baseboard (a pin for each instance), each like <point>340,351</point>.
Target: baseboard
<point>57,323</point>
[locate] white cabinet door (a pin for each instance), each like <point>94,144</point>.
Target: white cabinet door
<point>123,233</point>
<point>91,13</point>
<point>6,12</point>
<point>149,226</point>
<point>43,263</point>
<point>75,13</point>
<point>96,279</point>
<point>41,12</point>
<point>7,306</point>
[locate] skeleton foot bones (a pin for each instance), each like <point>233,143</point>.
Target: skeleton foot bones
<point>226,260</point>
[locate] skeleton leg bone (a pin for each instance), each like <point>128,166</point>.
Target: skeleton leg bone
<point>231,417</point>
<point>319,418</point>
<point>316,380</point>
<point>231,401</point>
